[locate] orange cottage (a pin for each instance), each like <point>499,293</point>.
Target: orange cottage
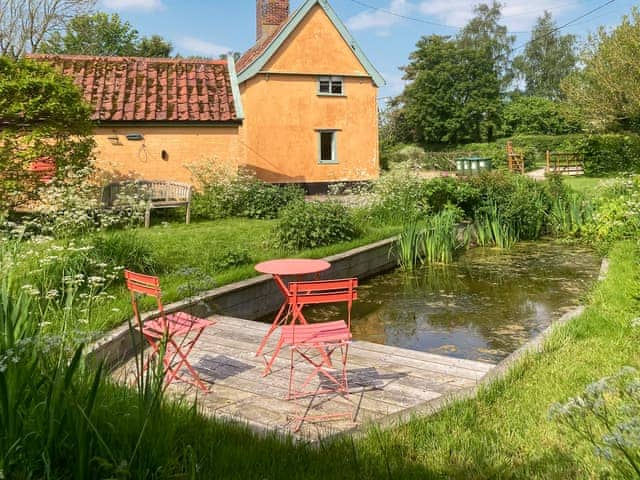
<point>298,107</point>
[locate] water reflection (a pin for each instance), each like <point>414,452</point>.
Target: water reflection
<point>482,307</point>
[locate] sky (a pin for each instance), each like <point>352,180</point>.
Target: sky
<point>214,27</point>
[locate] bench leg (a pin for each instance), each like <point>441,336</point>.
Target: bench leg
<point>147,218</point>
<point>188,216</point>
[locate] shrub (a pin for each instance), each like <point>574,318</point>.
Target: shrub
<point>617,214</point>
<point>410,154</point>
<point>397,196</point>
<point>43,117</point>
<point>521,203</point>
<point>227,194</point>
<point>606,154</point>
<point>606,415</point>
<point>439,192</point>
<point>540,116</point>
<point>314,224</point>
<point>70,206</point>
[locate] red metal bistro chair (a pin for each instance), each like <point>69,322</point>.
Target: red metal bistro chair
<point>180,330</point>
<point>315,343</point>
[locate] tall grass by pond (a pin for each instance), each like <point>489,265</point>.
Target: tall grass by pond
<point>490,229</point>
<point>570,214</point>
<point>433,240</point>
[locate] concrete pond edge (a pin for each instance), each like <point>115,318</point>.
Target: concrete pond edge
<point>116,346</point>
<point>535,345</point>
<point>362,262</point>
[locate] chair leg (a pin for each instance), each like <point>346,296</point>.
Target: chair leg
<point>279,319</point>
<point>183,351</point>
<point>272,360</point>
<point>342,386</point>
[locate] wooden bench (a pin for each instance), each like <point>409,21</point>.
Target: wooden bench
<point>159,193</point>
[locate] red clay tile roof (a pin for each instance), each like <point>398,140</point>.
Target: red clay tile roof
<point>254,52</point>
<point>151,89</point>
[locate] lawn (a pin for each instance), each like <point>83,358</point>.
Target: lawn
<point>204,255</point>
<point>505,432</point>
<point>586,185</point>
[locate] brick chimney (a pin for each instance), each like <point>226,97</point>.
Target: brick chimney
<point>270,14</point>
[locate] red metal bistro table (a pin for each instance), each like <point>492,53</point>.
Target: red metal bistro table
<point>287,267</point>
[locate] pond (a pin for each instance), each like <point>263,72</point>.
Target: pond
<point>482,307</point>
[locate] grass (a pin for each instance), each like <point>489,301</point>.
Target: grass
<point>504,432</point>
<point>204,255</point>
<point>580,183</point>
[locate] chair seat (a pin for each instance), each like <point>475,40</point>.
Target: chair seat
<point>179,323</point>
<point>325,332</point>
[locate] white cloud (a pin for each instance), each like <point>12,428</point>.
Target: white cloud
<point>147,5</point>
<point>196,46</point>
<point>518,15</point>
<point>378,18</point>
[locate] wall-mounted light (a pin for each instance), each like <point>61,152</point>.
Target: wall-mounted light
<point>114,139</point>
<point>134,137</point>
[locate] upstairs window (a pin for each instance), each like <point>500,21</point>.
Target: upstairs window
<point>330,86</point>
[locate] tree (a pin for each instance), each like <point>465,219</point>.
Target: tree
<point>547,59</point>
<point>154,46</point>
<point>607,88</point>
<point>453,95</point>
<point>24,24</point>
<point>42,115</point>
<point>485,34</point>
<point>529,115</point>
<point>104,35</point>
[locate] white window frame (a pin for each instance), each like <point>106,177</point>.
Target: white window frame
<point>334,146</point>
<point>334,80</point>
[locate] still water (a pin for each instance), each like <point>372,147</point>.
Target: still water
<point>482,307</point>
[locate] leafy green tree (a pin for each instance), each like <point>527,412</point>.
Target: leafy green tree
<point>547,59</point>
<point>453,95</point>
<point>153,46</point>
<point>42,115</point>
<point>105,35</point>
<point>607,88</point>
<point>540,116</point>
<point>484,33</point>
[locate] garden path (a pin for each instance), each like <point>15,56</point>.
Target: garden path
<point>385,382</point>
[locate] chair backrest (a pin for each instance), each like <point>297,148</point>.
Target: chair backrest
<point>325,291</point>
<point>141,284</point>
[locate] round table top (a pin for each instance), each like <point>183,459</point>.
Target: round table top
<point>292,266</point>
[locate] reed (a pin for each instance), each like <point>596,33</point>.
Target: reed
<point>492,229</point>
<point>439,240</point>
<point>569,214</point>
<point>408,246</point>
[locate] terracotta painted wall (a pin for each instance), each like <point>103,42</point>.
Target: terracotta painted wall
<point>192,145</point>
<point>283,110</point>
